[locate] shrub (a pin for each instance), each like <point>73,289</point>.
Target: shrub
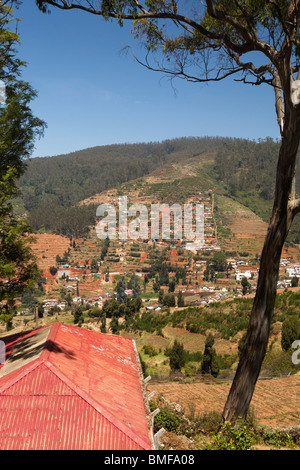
<point>166,419</point>
<point>209,422</point>
<point>209,363</point>
<point>177,357</point>
<point>149,350</point>
<point>290,332</point>
<point>170,419</point>
<point>278,363</point>
<point>78,316</point>
<point>236,436</point>
<point>276,439</point>
<point>53,270</point>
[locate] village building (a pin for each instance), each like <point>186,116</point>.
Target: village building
<point>154,307</point>
<point>293,270</point>
<point>67,388</point>
<point>63,272</point>
<point>49,303</point>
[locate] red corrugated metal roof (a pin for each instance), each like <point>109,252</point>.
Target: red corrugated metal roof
<point>64,387</point>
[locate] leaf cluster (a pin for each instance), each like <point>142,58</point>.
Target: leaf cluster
<point>18,129</point>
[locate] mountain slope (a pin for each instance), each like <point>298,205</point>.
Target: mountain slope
<point>61,193</point>
<point>52,187</point>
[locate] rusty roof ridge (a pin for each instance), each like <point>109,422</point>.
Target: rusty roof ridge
<point>97,406</point>
<point>144,393</point>
<point>22,372</point>
<point>44,359</point>
<point>54,327</point>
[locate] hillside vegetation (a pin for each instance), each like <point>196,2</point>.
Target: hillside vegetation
<point>52,186</point>
<point>171,171</point>
<point>187,312</point>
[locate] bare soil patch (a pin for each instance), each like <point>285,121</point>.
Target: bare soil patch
<point>275,402</point>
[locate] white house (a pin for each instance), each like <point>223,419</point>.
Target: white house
<point>293,271</point>
<point>239,275</point>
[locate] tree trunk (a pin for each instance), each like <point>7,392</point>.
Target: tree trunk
<point>256,342</point>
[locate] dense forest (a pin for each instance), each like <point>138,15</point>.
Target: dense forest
<point>68,179</point>
<point>247,166</point>
<point>52,187</point>
<point>248,171</point>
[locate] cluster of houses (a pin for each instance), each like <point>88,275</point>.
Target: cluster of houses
<point>77,300</point>
<point>204,295</point>
<point>293,270</point>
<point>210,228</point>
<point>288,271</point>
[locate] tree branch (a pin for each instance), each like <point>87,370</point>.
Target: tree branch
<point>240,48</point>
<point>250,38</point>
<point>221,73</point>
<point>279,104</point>
<point>235,33</point>
<point>279,15</point>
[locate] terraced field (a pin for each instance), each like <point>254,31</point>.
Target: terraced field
<point>47,247</point>
<point>248,231</point>
<point>275,402</point>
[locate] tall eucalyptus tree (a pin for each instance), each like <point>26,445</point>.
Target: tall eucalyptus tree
<point>210,41</point>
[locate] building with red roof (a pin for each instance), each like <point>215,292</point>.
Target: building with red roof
<point>67,388</point>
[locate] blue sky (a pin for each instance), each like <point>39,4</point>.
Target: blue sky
<point>89,93</point>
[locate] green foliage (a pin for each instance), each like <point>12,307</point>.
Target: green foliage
<point>277,439</point>
<point>114,309</point>
<point>237,436</point>
<point>209,363</point>
<point>208,422</point>
<point>67,179</point>
<point>219,261</point>
<point>103,323</point>
<point>72,220</point>
<point>95,312</point>
<point>78,315</point>
<point>278,363</point>
<point>133,284</point>
<point>180,299</point>
<point>53,187</point>
<point>290,332</point>
<point>53,270</point>
<point>195,356</point>
<point>169,300</point>
<point>104,249</point>
<point>114,326</point>
<point>149,350</point>
<point>166,419</point>
<point>288,302</point>
<point>150,322</point>
<point>177,358</point>
<point>247,170</point>
<point>120,291</point>
<point>214,317</point>
<point>18,129</point>
<point>246,286</point>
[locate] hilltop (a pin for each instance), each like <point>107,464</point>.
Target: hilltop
<point>60,193</point>
<point>52,187</point>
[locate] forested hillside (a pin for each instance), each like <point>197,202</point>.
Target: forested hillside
<point>67,179</point>
<point>52,187</point>
<point>248,172</point>
<point>244,170</point>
